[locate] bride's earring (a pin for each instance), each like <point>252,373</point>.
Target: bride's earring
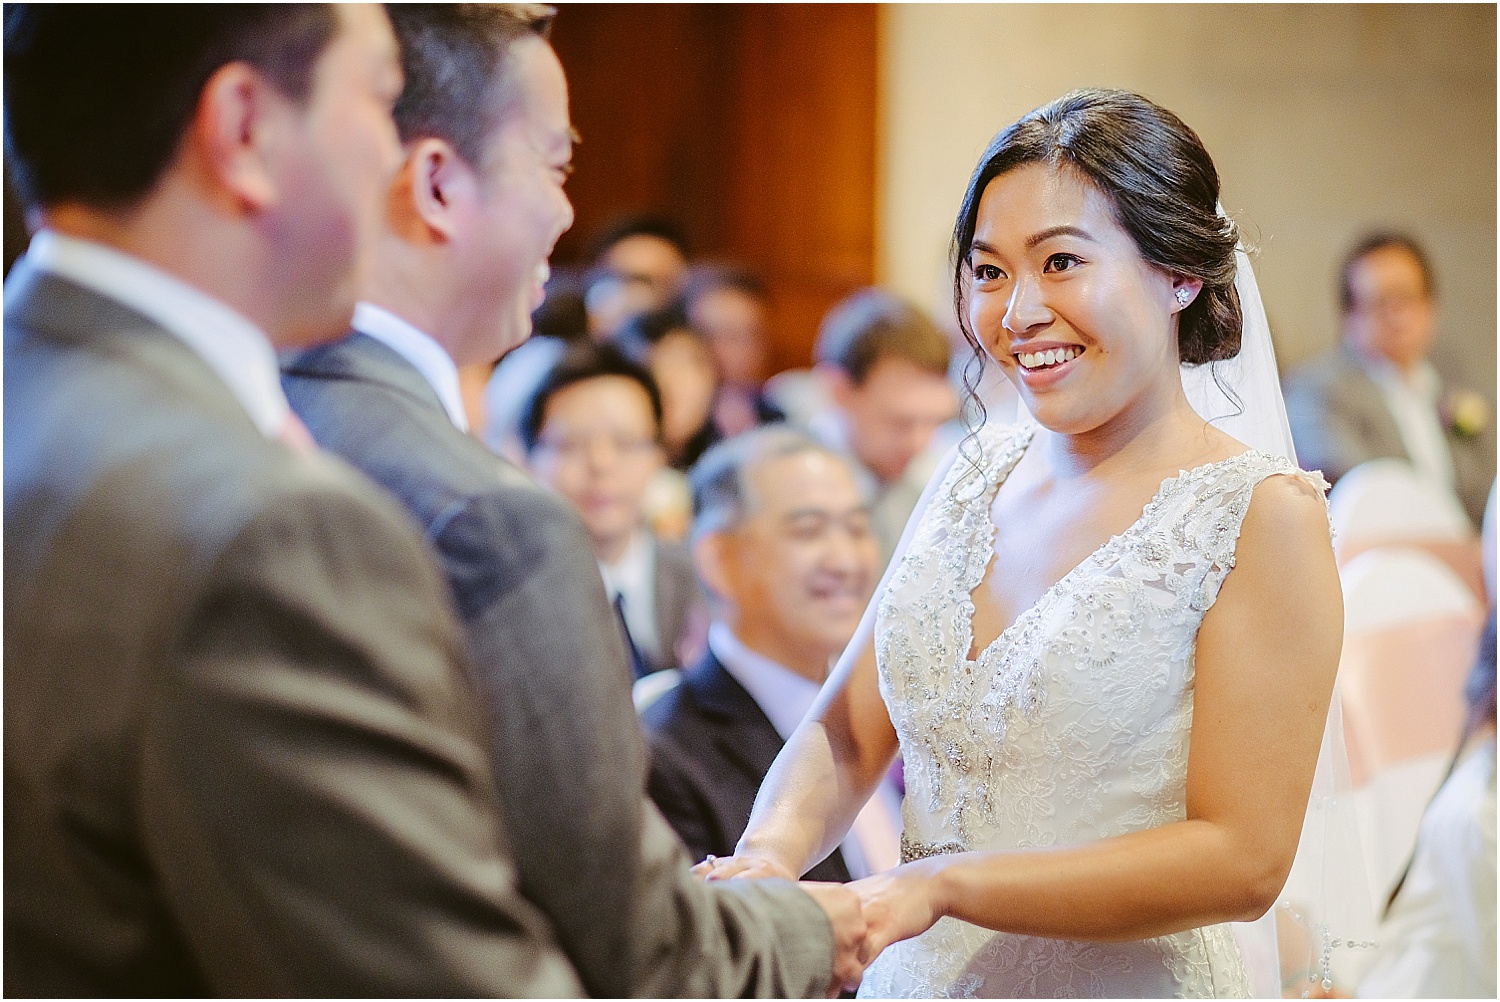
<point>1183,295</point>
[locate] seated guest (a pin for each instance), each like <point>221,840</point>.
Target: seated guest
<point>885,364</point>
<point>728,305</point>
<point>782,542</point>
<point>241,756</point>
<point>639,265</point>
<point>1377,395</point>
<point>592,432</point>
<point>1438,936</point>
<point>679,360</point>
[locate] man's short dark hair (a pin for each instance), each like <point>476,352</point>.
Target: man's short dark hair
<point>98,96</point>
<point>642,332</point>
<point>706,278</point>
<point>457,61</point>
<point>580,363</point>
<point>1380,241</point>
<point>873,324</point>
<point>659,227</point>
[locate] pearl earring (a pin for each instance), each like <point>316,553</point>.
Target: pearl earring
<point>1183,296</point>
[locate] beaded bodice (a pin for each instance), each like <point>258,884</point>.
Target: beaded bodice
<point>1073,724</point>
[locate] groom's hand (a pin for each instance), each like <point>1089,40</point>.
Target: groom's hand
<point>841,905</point>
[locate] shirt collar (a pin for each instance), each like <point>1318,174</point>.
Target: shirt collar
<point>782,695</point>
<point>237,351</point>
<point>426,356</point>
<point>630,574</point>
<point>1420,379</point>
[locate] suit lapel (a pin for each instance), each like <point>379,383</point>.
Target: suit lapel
<point>672,577</point>
<point>748,739</point>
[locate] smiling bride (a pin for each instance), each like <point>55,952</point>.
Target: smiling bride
<point>1107,645</point>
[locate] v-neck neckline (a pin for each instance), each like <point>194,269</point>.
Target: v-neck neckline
<point>1018,450</point>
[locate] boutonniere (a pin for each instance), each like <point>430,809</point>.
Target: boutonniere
<point>1465,413</point>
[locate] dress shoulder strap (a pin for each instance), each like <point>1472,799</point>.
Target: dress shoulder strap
<point>1206,509</point>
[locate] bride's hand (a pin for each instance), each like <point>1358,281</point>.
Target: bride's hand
<point>748,867</point>
<point>898,904</point>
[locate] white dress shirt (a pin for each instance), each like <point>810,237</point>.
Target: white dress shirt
<point>237,351</point>
<point>634,577</point>
<point>426,356</point>
<point>874,841</point>
<point>1412,398</point>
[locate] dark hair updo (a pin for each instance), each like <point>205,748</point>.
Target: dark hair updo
<point>1165,193</point>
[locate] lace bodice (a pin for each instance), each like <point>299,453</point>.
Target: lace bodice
<point>1071,726</point>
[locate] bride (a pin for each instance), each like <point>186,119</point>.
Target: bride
<point>1107,647</point>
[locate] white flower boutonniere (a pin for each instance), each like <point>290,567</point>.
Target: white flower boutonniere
<point>1465,413</point>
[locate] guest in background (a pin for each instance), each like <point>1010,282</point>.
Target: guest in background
<point>472,215</point>
<point>680,361</point>
<point>592,432</point>
<point>639,265</point>
<point>1438,937</point>
<point>728,306</point>
<point>1377,395</point>
<point>782,542</point>
<point>241,756</point>
<point>885,366</point>
<point>560,321</point>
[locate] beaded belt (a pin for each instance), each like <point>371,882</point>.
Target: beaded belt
<point>921,850</point>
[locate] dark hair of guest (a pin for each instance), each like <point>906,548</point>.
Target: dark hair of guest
<point>873,324</point>
<point>1163,187</point>
<point>457,62</point>
<point>580,363</point>
<point>646,225</point>
<point>1371,243</point>
<point>705,278</point>
<point>640,333</point>
<point>97,96</point>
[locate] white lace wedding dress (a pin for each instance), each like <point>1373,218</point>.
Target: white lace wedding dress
<point>1072,726</point>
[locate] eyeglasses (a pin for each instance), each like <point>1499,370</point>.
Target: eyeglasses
<point>578,446</point>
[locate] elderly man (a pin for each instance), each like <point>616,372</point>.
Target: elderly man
<point>783,543</point>
<point>1376,395</point>
<point>472,216</point>
<point>241,752</point>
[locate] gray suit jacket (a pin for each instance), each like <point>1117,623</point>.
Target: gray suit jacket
<point>592,851</point>
<point>676,592</point>
<point>1339,419</point>
<point>241,755</point>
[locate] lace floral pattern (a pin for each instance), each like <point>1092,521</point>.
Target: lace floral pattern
<point>1072,725</point>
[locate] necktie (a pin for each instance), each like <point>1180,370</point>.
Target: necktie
<point>637,663</point>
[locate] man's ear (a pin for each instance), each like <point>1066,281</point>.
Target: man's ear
<point>710,559</point>
<point>435,185</point>
<point>836,383</point>
<point>242,122</point>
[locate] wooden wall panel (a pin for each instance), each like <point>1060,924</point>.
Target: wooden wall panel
<point>752,125</point>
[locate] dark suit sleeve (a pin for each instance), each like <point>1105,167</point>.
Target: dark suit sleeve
<point>591,850</point>
<point>315,794</point>
<point>684,806</point>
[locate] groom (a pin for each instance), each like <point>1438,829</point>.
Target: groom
<point>470,220</point>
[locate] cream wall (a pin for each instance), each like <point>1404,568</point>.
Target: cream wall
<point>1323,120</point>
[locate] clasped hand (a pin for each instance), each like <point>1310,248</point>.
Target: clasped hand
<point>867,915</point>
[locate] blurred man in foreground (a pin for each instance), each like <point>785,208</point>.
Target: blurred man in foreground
<point>241,751</point>
<point>460,264</point>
